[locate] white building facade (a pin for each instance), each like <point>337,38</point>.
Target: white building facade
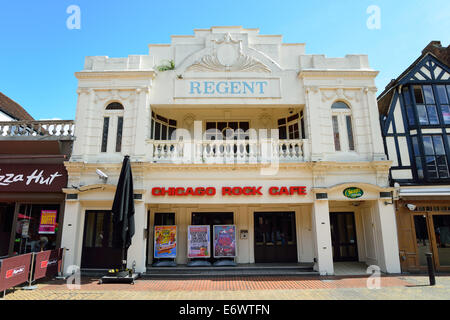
<point>228,126</point>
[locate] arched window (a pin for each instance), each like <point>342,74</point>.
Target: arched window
<point>114,106</point>
<point>341,117</point>
<point>113,114</point>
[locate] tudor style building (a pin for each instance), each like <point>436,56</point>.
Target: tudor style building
<point>415,121</point>
<point>230,127</point>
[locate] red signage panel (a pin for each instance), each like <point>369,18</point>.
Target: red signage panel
<point>47,264</point>
<point>14,271</point>
<point>32,178</point>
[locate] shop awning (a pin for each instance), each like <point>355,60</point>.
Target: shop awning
<point>424,192</point>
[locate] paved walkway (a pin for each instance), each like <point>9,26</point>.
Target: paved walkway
<point>244,288</point>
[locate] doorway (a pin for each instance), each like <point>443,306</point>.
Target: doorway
<point>432,234</point>
<point>98,251</point>
<point>212,219</point>
<point>275,237</point>
<point>6,223</point>
<point>343,236</point>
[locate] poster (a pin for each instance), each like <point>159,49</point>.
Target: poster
<point>199,242</point>
<point>225,241</point>
<point>165,242</point>
<point>48,222</point>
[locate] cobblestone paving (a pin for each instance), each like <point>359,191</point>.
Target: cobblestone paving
<point>245,288</point>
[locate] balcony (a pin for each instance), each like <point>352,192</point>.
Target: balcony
<point>37,130</point>
<point>228,151</point>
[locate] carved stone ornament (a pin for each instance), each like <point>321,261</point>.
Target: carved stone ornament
<point>227,56</point>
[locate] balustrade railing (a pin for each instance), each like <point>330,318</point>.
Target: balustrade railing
<point>52,129</point>
<point>227,151</point>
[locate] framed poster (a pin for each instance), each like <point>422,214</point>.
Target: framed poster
<point>199,241</point>
<point>165,242</point>
<point>224,241</point>
<point>47,224</point>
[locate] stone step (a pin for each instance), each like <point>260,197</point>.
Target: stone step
<point>236,273</point>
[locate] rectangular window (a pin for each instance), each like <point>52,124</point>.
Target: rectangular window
<point>418,95</point>
<point>337,142</point>
<point>119,134</point>
<point>351,143</point>
<point>422,113</point>
<point>417,157</point>
<point>164,219</point>
<point>442,94</point>
<point>446,113</point>
<point>157,131</point>
<point>410,114</point>
<point>435,158</point>
<point>429,96</point>
<point>302,125</point>
<point>432,114</point>
<point>105,134</point>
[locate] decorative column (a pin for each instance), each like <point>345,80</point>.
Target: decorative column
<point>81,125</point>
<point>137,252</point>
<point>388,257</point>
<point>72,235</point>
<point>312,117</point>
<point>374,123</point>
<point>322,236</point>
<point>141,128</point>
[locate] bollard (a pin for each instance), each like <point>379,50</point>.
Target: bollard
<point>429,256</point>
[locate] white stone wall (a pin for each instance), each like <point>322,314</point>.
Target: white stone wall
<point>294,81</point>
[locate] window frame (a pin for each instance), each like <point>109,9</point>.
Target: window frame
<point>342,132</point>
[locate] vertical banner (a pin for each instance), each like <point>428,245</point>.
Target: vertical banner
<point>199,241</point>
<point>225,241</point>
<point>165,242</point>
<point>14,271</point>
<point>47,224</point>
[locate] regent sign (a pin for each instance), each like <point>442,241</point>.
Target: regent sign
<point>227,88</point>
<point>228,191</point>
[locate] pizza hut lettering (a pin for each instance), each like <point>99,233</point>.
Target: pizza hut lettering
<point>47,263</point>
<point>15,272</point>
<point>32,177</point>
<point>36,177</point>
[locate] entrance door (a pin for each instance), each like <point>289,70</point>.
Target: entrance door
<point>212,219</point>
<point>343,236</point>
<point>98,251</point>
<point>432,233</point>
<point>275,237</point>
<point>6,223</point>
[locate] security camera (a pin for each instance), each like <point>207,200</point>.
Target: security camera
<point>102,175</point>
<point>411,207</point>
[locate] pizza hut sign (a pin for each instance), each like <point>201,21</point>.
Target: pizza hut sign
<point>34,178</point>
<point>14,272</point>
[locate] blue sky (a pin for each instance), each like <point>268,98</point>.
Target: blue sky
<point>39,54</point>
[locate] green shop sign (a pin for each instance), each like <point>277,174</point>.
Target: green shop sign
<point>353,193</point>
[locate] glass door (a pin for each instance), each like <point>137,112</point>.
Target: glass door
<point>6,223</point>
<point>98,251</point>
<point>343,236</point>
<point>441,240</point>
<point>275,237</point>
<point>432,231</point>
<point>423,241</point>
